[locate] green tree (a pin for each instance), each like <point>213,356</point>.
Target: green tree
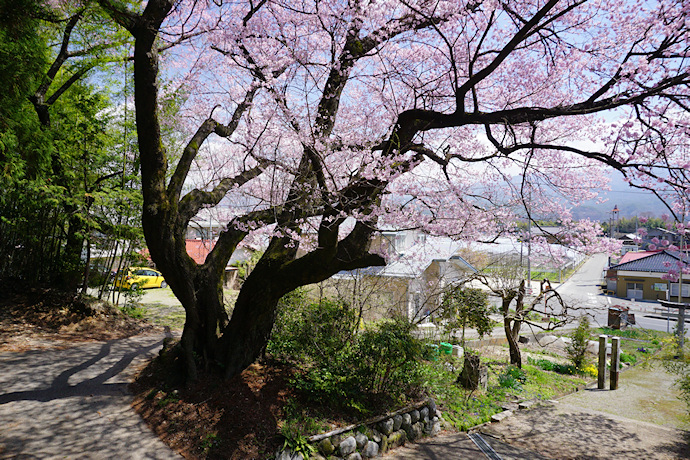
<point>465,307</point>
<point>59,166</point>
<point>577,348</point>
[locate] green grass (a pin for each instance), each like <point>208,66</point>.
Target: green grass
<point>133,311</point>
<point>465,409</point>
<point>165,315</point>
<point>630,333</point>
<point>636,344</point>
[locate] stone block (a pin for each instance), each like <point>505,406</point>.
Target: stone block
<point>397,439</point>
<point>384,444</point>
<point>414,416</point>
<point>397,422</point>
<point>326,447</point>
<point>501,415</point>
<point>526,404</point>
<point>287,454</point>
<point>436,428</point>
<point>354,456</point>
<point>361,440</point>
<point>386,426</point>
<point>347,446</point>
<point>371,450</point>
<point>406,421</point>
<point>375,436</point>
<point>414,431</point>
<point>424,414</point>
<point>510,406</point>
<point>432,406</point>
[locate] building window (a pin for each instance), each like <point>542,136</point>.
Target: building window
<point>635,291</point>
<point>674,290</point>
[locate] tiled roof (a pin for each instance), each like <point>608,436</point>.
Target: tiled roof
<point>651,263</point>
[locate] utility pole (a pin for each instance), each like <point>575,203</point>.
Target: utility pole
<point>681,306</point>
<point>529,254</point>
<point>681,310</point>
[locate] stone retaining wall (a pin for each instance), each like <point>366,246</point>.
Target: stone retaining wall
<point>375,436</point>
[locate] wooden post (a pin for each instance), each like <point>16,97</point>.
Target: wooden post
<point>601,376</point>
<point>615,361</point>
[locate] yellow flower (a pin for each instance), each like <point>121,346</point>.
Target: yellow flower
<point>590,369</point>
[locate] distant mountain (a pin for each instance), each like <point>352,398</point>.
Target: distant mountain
<point>630,202</point>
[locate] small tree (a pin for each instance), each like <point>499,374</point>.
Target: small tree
<point>507,283</point>
<point>465,307</point>
<point>577,349</point>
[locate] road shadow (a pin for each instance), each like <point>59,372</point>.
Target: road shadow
<point>581,434</point>
<point>75,403</point>
<point>96,385</point>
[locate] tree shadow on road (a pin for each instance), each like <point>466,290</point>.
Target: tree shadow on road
<point>98,370</point>
<point>593,435</point>
<point>75,403</point>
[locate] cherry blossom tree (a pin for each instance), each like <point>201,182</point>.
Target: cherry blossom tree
<point>322,121</point>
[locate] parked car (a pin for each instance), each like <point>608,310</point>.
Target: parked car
<point>139,277</point>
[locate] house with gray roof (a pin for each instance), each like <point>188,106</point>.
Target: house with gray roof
<point>644,278</point>
<point>419,268</point>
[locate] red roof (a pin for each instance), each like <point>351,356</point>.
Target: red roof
<point>199,249</point>
<point>630,256</point>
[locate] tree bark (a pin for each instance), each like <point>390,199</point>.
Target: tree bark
<point>513,345</point>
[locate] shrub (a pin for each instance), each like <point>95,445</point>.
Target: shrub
<point>387,358</point>
<point>591,370</point>
<point>296,441</point>
<point>567,369</point>
<point>315,331</point>
<point>342,366</point>
<point>465,307</point>
<point>577,349</point>
<point>133,311</point>
<point>512,378</point>
<point>627,358</point>
<point>545,364</point>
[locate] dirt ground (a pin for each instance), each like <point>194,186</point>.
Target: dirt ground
<point>215,418</point>
<point>41,318</point>
<point>643,418</point>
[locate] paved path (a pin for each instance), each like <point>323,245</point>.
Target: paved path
<point>640,420</point>
<point>74,403</point>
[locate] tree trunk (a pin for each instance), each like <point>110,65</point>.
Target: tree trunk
<point>253,317</point>
<point>72,271</point>
<point>513,345</point>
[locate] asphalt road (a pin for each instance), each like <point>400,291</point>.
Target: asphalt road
<point>74,403</point>
<point>582,289</point>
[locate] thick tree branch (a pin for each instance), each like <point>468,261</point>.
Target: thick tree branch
<point>523,33</point>
<point>192,202</point>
